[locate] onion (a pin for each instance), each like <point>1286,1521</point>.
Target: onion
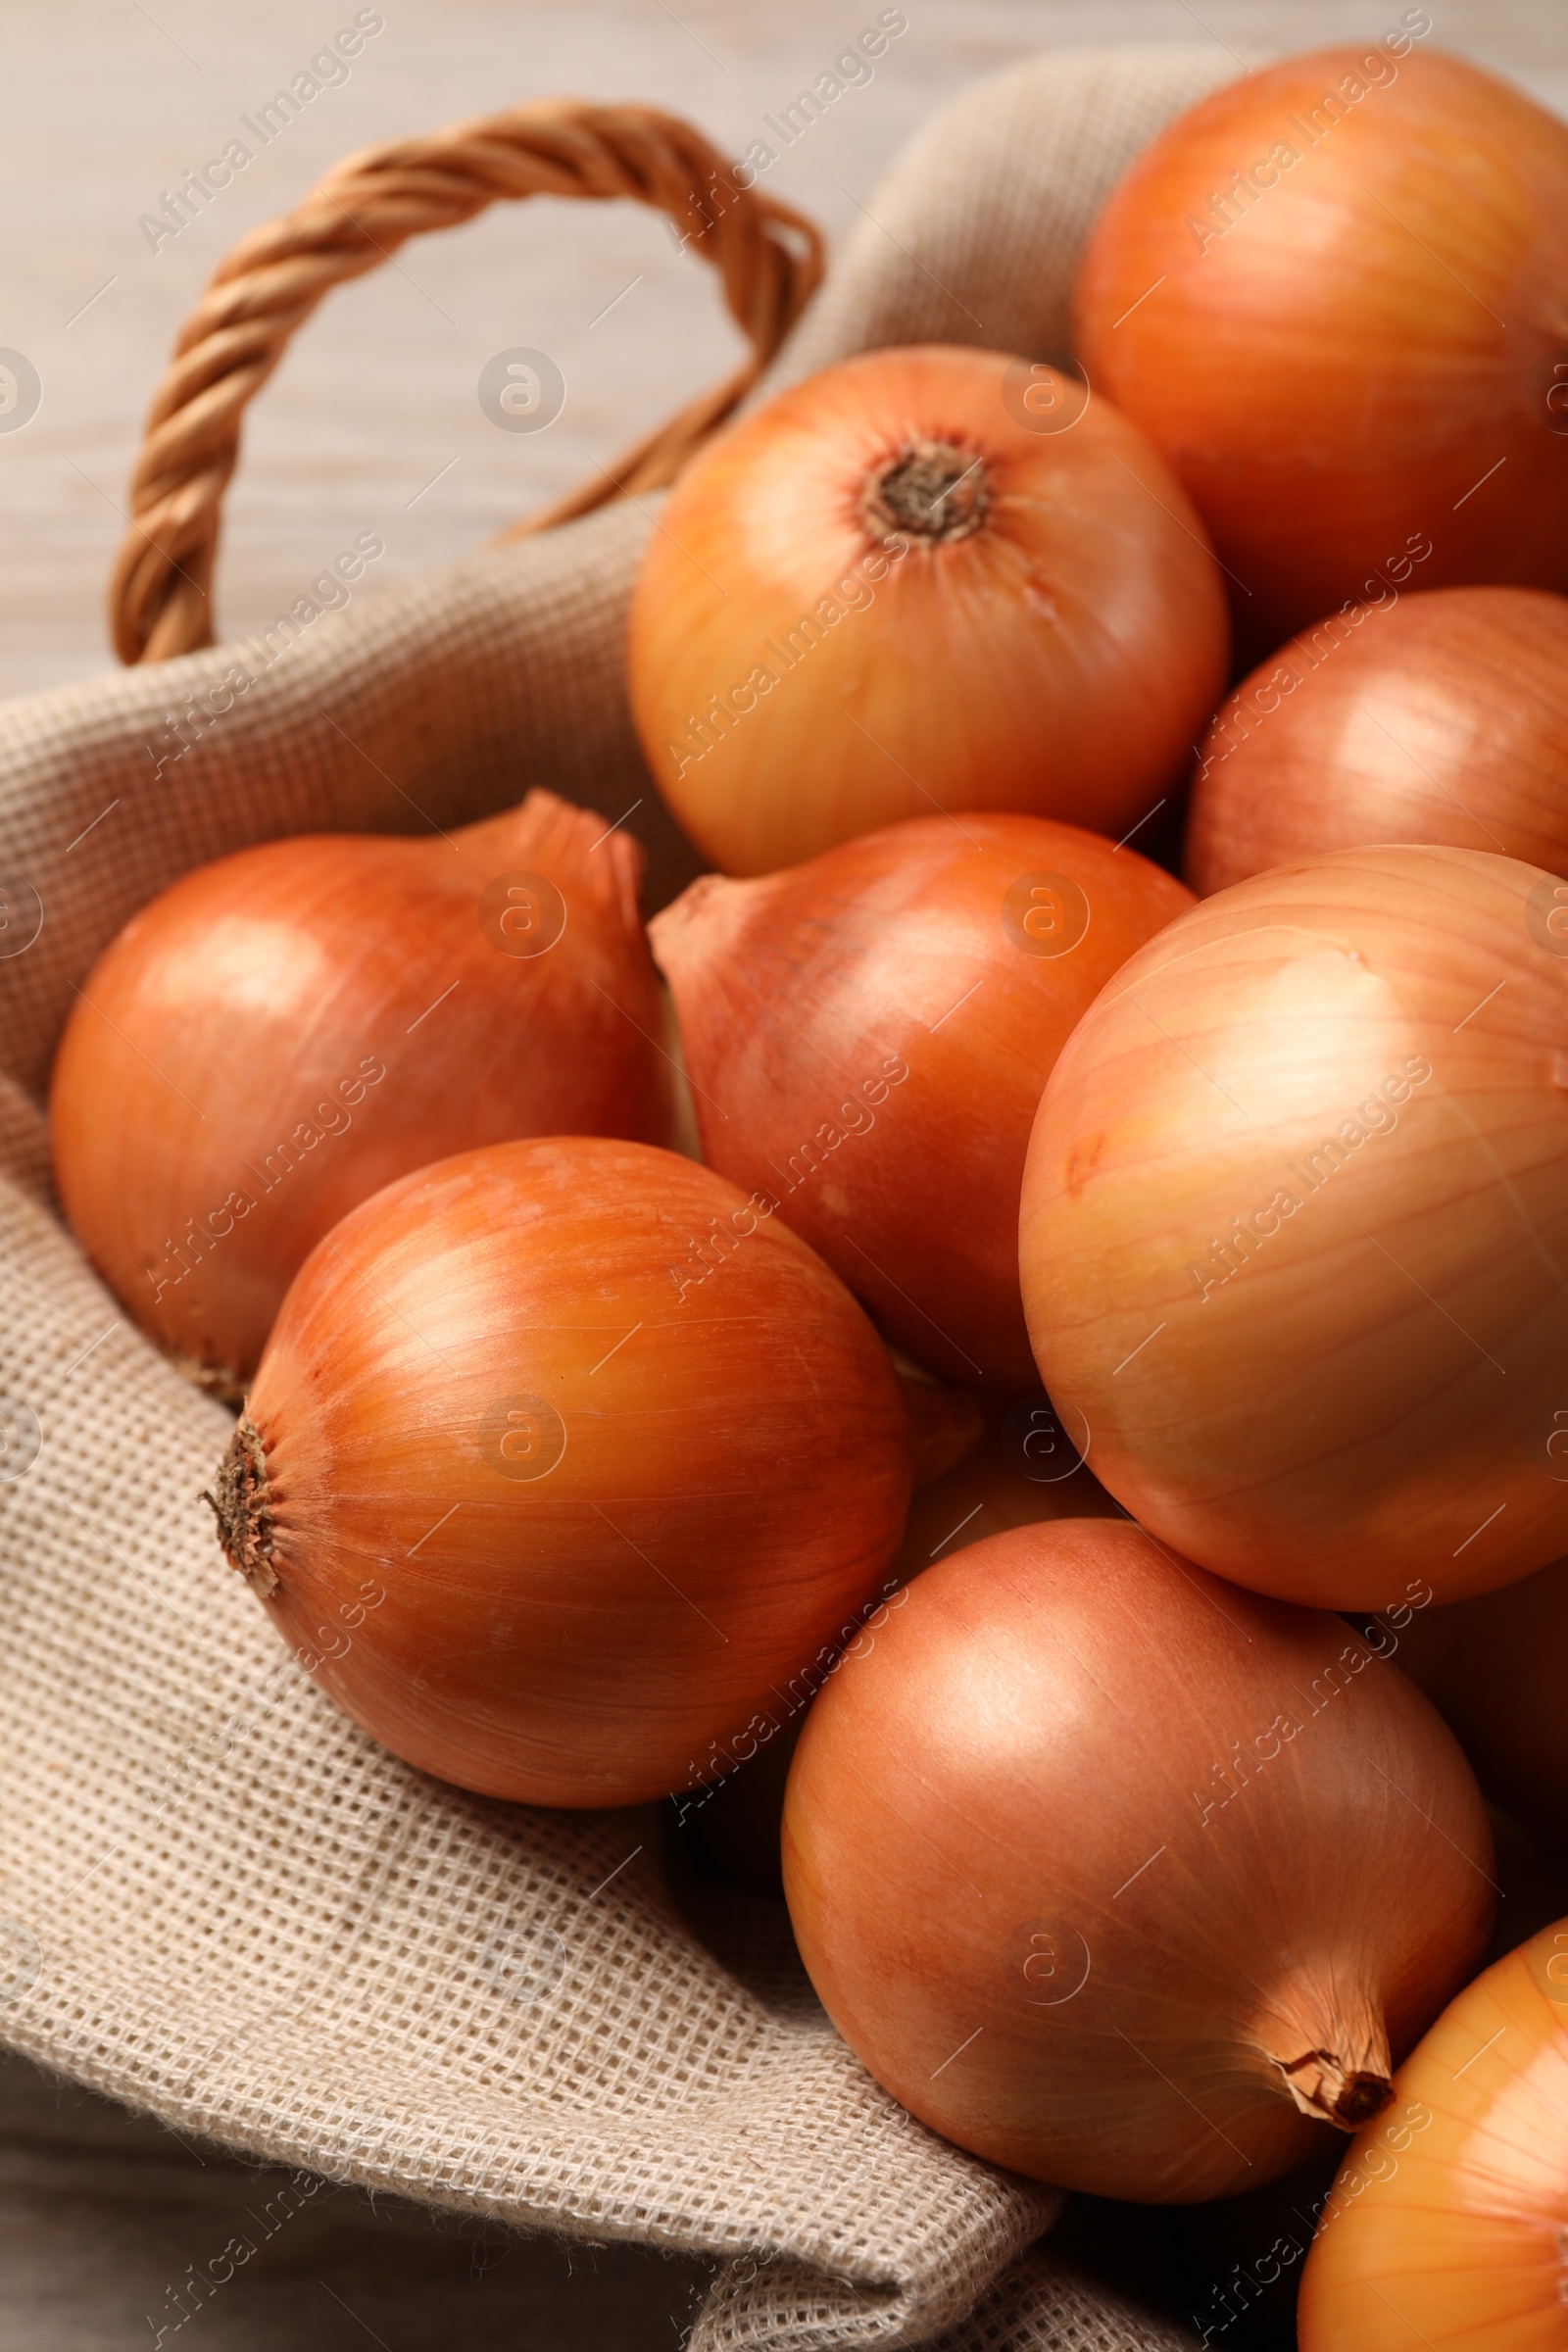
<point>868,1036</point>
<point>1444,2226</point>
<point>1334,295</point>
<point>1294,1220</point>
<point>544,1522</point>
<point>1442,717</point>
<point>1121,1878</point>
<point>921,579</point>
<point>1496,1668</point>
<point>287,1030</point>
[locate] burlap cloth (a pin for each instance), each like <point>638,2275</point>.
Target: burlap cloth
<point>221,1903</point>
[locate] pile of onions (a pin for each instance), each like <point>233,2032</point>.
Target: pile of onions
<point>1333,293</point>
<point>285,1031</point>
<point>1294,1226</point>
<point>1222,1241</point>
<point>1445,2223</point>
<point>1497,1668</point>
<point>542,1520</point>
<point>867,1037</point>
<point>921,579</point>
<point>1091,1859</point>
<point>1442,717</point>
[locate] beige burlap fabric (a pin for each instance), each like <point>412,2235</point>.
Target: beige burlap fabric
<point>218,1900</point>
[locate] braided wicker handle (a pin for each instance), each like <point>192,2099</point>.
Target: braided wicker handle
<point>769,257</point>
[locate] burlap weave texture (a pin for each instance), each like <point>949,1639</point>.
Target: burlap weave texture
<point>220,1901</point>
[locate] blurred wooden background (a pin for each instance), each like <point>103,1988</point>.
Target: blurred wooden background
<point>372,423</point>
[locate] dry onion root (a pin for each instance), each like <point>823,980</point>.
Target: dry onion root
<point>921,579</point>
<point>543,1513</point>
<point>1122,1877</point>
<point>285,1031</point>
<point>1295,1221</point>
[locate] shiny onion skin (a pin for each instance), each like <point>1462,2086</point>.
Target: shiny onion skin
<point>1447,2222</point>
<point>1441,716</point>
<point>1121,1878</point>
<point>285,1031</point>
<point>1352,359</point>
<point>1295,1220</point>
<point>1497,1670</point>
<point>541,1525</point>
<point>923,577</point>
<point>867,1037</point>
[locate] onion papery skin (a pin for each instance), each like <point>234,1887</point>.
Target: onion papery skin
<point>1292,1224</point>
<point>1445,2223</point>
<point>282,1033</point>
<point>801,673</point>
<point>605,1521</point>
<point>1497,1670</point>
<point>1438,718</point>
<point>1357,378</point>
<point>868,1035</point>
<point>1062,1872</point>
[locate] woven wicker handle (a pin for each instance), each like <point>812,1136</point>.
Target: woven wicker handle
<point>769,257</point>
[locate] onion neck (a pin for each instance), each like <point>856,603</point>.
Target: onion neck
<point>242,1508</point>
<point>706,930</point>
<point>1330,2052</point>
<point>931,492</point>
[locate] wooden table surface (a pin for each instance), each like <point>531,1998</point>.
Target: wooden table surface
<point>372,423</point>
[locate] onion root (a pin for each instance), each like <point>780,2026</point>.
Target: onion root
<point>242,1508</point>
